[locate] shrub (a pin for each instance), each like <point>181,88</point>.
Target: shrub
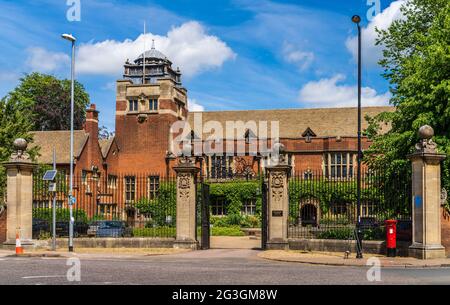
<point>236,220</point>
<point>159,208</point>
<point>335,220</point>
<point>43,235</point>
<point>340,233</point>
<point>250,222</point>
<point>374,234</point>
<point>62,215</point>
<point>227,231</point>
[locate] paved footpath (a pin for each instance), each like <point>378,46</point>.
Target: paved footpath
<point>339,259</point>
<point>220,267</point>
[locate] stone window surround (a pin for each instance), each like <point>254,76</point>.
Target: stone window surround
<point>143,104</point>
<point>349,165</point>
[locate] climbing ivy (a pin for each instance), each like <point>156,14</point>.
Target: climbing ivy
<point>236,193</point>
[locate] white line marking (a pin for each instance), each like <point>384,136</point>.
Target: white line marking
<point>41,277</point>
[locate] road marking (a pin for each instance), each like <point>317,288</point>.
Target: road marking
<point>41,277</point>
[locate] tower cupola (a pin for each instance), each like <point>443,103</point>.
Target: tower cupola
<point>156,66</point>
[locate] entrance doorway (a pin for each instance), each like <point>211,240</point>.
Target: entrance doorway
<point>221,236</point>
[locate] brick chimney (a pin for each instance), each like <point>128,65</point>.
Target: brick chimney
<point>91,127</point>
<point>91,124</point>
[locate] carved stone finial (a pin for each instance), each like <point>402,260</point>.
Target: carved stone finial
<point>279,153</point>
<point>426,144</point>
<point>20,145</point>
<point>426,132</point>
<point>186,156</point>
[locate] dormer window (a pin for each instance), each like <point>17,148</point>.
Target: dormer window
<point>133,105</point>
<point>153,104</point>
<point>308,134</point>
<point>249,136</point>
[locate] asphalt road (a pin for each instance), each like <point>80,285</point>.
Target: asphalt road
<point>202,268</point>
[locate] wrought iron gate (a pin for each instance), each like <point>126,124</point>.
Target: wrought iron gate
<point>203,211</point>
<point>264,216</point>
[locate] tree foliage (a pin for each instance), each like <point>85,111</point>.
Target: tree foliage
<point>48,98</point>
<point>416,61</point>
<point>15,123</point>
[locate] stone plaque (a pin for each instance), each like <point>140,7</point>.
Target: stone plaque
<point>277,213</point>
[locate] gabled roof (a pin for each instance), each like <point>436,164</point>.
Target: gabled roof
<point>309,133</point>
<point>326,122</point>
<point>60,140</point>
<point>105,146</point>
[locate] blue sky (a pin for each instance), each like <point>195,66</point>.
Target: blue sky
<point>235,54</point>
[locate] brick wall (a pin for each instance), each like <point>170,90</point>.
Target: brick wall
<point>3,227</point>
<point>445,224</point>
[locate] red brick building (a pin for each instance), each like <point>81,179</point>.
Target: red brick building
<point>317,141</point>
<point>147,105</point>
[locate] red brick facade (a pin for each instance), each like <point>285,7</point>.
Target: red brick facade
<point>445,224</point>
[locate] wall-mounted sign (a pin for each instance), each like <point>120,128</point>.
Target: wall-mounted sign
<point>418,201</point>
<point>277,213</point>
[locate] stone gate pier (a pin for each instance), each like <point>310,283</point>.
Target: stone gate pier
<point>19,196</point>
<point>426,191</point>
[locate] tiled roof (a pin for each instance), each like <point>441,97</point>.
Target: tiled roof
<point>324,122</point>
<point>46,140</point>
<point>105,145</point>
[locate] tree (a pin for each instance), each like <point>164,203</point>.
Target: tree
<point>104,133</point>
<point>49,101</point>
<point>15,122</point>
<point>416,61</point>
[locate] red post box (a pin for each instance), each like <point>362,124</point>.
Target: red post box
<point>391,238</point>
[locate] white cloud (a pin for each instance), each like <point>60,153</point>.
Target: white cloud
<point>41,60</point>
<point>194,106</point>
<point>187,46</point>
<point>298,57</point>
<point>370,52</point>
<point>327,92</point>
<point>110,86</point>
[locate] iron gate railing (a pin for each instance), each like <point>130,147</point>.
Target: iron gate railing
<point>131,205</point>
<point>325,207</point>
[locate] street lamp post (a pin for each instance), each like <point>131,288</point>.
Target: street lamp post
<point>357,19</point>
<point>72,39</point>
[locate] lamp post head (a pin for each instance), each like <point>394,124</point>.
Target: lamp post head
<point>68,37</point>
<point>356,19</point>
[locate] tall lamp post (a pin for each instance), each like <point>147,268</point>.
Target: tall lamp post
<point>72,39</point>
<point>357,19</point>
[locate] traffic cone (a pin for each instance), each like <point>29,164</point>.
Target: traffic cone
<point>19,249</point>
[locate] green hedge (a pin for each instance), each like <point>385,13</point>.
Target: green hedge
<point>227,231</point>
<point>346,233</point>
<point>171,231</point>
<point>246,221</point>
<point>340,233</point>
<point>61,214</point>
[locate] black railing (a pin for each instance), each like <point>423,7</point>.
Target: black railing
<point>122,205</point>
<point>324,207</point>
